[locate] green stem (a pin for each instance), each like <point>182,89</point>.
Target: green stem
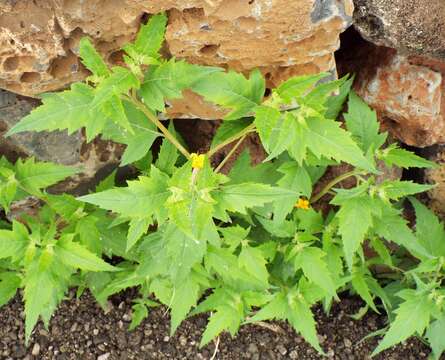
<point>231,152</point>
<point>154,119</point>
<point>231,139</point>
<point>334,182</point>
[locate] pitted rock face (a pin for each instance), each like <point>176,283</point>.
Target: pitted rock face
<point>39,39</point>
<point>410,26</point>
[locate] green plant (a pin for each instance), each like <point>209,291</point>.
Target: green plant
<point>248,246</point>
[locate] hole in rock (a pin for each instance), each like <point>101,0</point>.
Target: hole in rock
<point>209,50</point>
<point>30,77</point>
<point>10,64</point>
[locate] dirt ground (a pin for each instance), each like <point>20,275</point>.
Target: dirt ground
<point>81,330</point>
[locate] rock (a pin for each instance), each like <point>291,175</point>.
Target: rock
<point>39,39</point>
<point>96,159</point>
<point>103,356</point>
<point>437,177</point>
<point>410,26</point>
<point>406,91</point>
<point>35,349</point>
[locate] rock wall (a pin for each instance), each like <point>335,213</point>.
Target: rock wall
<point>39,39</point>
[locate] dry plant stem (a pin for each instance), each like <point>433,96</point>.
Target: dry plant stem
<point>334,182</point>
<point>154,119</point>
<point>231,152</point>
<point>231,139</point>
<point>216,349</point>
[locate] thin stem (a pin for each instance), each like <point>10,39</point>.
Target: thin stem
<point>334,182</point>
<point>154,119</point>
<point>231,152</point>
<point>231,139</point>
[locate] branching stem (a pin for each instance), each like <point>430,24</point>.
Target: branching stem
<point>231,152</point>
<point>245,131</point>
<point>334,182</point>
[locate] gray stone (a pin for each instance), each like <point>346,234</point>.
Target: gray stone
<point>410,26</point>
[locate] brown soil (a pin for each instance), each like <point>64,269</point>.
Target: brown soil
<point>81,330</point>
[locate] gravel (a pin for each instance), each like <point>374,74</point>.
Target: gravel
<point>81,330</point>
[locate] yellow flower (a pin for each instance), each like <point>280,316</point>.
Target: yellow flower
<point>197,160</point>
<point>302,204</point>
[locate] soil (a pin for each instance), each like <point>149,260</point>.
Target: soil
<point>80,330</point>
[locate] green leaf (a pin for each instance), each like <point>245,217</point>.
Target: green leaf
<point>266,119</point>
<point>233,91</point>
<point>429,230</point>
<point>275,309</point>
<point>311,261</point>
<point>34,176</point>
<point>168,154</point>
<point>412,317</point>
<point>137,228</point>
<point>151,36</point>
<point>79,257</point>
<point>141,198</point>
<point>362,122</point>
<point>360,285</point>
<point>335,103</point>
<point>240,197</point>
<point>139,313</point>
<point>326,138</point>
<point>89,235</point>
<point>139,142</point>
<point>296,87</point>
<point>301,318</point>
<point>185,296</point>
<point>397,189</point>
<point>9,283</point>
<point>8,187</point>
<point>167,81</point>
<point>434,334</point>
<point>59,111</point>
<point>224,318</point>
<point>228,129</point>
<point>13,242</point>
<point>92,59</point>
<point>393,155</point>
<point>353,232</point>
<point>253,262</point>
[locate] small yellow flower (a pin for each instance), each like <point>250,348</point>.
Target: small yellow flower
<point>197,160</point>
<point>302,204</point>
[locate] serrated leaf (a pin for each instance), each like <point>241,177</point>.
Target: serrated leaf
<point>353,232</point>
<point>92,59</point>
<point>394,155</point>
<point>12,244</point>
<point>434,334</point>
<point>397,189</point>
<point>360,285</point>
<point>298,86</point>
<point>168,154</point>
<point>311,261</point>
<point>151,36</point>
<point>243,171</point>
<point>429,230</point>
<point>63,110</point>
<point>185,296</point>
<point>240,197</point>
<point>79,257</point>
<point>228,129</point>
<point>139,199</point>
<point>275,309</point>
<point>89,235</point>
<point>362,122</point>
<point>224,318</point>
<point>9,283</point>
<point>139,142</point>
<point>233,91</point>
<point>167,81</point>
<point>34,176</point>
<point>136,229</point>
<point>335,103</point>
<point>412,317</point>
<point>253,262</point>
<point>326,138</point>
<point>139,313</point>
<point>302,320</point>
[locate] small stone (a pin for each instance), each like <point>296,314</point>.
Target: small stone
<point>252,348</point>
<point>35,349</point>
<point>95,332</point>
<point>183,340</point>
<point>293,354</point>
<point>281,349</point>
<point>166,339</point>
<point>347,343</point>
<point>103,356</point>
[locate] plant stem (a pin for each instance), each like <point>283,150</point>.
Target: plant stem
<point>154,119</point>
<point>231,139</point>
<point>334,182</point>
<point>231,152</point>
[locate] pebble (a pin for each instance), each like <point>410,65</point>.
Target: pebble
<point>252,348</point>
<point>166,338</point>
<point>347,342</point>
<point>95,332</point>
<point>35,349</point>
<point>293,354</point>
<point>103,356</point>
<point>281,349</point>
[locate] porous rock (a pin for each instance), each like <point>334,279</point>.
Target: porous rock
<point>405,90</point>
<point>39,39</point>
<point>410,26</point>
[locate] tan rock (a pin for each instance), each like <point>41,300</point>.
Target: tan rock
<point>406,91</point>
<point>39,39</point>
